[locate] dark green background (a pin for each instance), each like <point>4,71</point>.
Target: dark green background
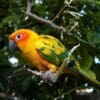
<point>12,17</point>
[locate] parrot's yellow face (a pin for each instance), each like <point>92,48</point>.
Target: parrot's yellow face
<point>20,38</point>
<point>19,35</point>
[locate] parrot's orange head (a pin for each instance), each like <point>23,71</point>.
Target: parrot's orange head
<point>20,38</point>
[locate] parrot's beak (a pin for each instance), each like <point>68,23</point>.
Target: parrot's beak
<point>12,45</point>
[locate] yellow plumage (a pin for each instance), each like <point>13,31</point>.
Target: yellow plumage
<point>42,51</point>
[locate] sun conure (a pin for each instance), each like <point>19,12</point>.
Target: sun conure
<point>44,52</point>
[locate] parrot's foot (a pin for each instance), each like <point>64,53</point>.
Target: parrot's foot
<point>49,76</point>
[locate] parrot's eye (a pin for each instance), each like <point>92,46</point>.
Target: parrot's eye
<point>18,36</point>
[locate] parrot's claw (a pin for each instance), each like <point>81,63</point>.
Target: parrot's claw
<point>49,76</point>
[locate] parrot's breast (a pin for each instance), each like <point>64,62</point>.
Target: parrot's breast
<point>37,61</point>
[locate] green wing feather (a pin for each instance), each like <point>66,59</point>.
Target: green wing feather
<point>51,49</point>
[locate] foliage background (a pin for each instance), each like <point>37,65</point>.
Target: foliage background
<point>12,17</point>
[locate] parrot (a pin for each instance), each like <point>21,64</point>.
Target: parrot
<point>44,52</point>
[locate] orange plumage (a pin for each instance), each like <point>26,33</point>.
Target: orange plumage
<point>42,51</point>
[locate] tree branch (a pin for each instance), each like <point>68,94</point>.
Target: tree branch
<point>50,23</point>
<point>29,5</point>
<point>66,61</point>
<point>42,20</point>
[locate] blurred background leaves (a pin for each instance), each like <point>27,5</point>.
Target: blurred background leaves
<point>12,17</point>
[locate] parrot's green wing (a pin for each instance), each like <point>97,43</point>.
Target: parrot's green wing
<point>51,49</point>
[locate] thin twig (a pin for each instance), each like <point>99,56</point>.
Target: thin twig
<point>68,2</point>
<point>73,27</point>
<point>59,13</point>
<point>81,40</point>
<point>74,14</point>
<point>63,94</point>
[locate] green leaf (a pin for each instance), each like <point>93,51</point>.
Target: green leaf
<point>90,74</point>
<point>86,60</point>
<point>93,37</point>
<point>97,2</point>
<point>96,17</point>
<point>1,87</point>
